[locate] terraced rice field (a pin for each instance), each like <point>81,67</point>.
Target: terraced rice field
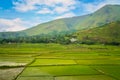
<point>59,62</point>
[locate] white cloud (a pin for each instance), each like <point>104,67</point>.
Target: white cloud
<point>45,11</point>
<point>59,6</point>
<point>63,9</point>
<point>25,5</point>
<point>12,25</point>
<point>66,15</point>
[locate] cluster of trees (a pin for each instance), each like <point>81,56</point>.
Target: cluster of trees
<point>62,37</point>
<point>55,37</point>
<point>98,40</point>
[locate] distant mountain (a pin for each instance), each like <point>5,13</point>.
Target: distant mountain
<point>109,33</point>
<point>106,14</point>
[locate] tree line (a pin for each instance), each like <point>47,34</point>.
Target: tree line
<point>54,37</point>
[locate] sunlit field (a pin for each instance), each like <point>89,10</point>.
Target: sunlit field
<point>59,62</point>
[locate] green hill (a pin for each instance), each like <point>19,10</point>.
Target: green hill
<point>106,14</point>
<point>108,34</point>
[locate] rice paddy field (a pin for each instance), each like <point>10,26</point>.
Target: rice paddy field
<point>59,62</point>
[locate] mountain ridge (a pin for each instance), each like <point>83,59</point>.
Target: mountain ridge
<point>102,16</point>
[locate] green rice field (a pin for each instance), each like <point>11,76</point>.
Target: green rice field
<point>59,62</point>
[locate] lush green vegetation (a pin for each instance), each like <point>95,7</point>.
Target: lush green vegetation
<point>88,77</point>
<point>54,37</point>
<point>69,70</point>
<point>112,70</point>
<point>106,34</point>
<point>40,62</point>
<point>59,62</point>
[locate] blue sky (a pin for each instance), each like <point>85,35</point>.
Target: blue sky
<point>18,15</point>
